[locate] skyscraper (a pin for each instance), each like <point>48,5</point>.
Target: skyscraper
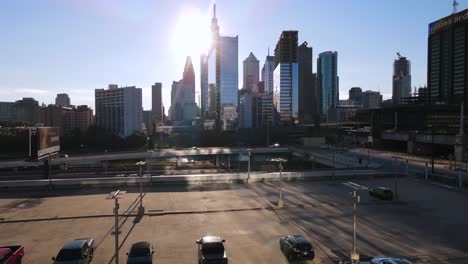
<point>355,94</point>
<point>62,100</point>
<point>119,110</point>
<point>371,99</point>
<point>183,106</point>
<point>447,67</point>
<point>156,103</point>
<point>285,77</point>
<point>228,79</point>
<point>267,73</point>
<point>247,108</point>
<point>328,83</point>
<point>307,90</point>
<point>251,72</point>
<point>401,79</point>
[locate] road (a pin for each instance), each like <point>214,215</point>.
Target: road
<point>421,227</point>
<point>144,154</point>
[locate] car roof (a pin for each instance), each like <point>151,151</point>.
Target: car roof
<point>388,258</point>
<point>74,244</point>
<point>383,188</point>
<point>4,251</point>
<point>212,239</point>
<point>299,239</point>
<point>141,244</point>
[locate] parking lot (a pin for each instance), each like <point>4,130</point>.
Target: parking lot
<point>428,225</point>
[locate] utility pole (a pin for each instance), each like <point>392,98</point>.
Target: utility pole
<point>249,150</point>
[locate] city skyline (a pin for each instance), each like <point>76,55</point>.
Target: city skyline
<point>56,64</point>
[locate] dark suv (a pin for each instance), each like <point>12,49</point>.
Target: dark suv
<point>211,250</point>
<point>296,248</point>
<point>79,251</point>
<point>382,193</point>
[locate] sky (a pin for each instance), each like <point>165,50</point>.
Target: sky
<point>75,46</point>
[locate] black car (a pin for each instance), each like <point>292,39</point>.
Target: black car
<point>141,253</point>
<point>79,251</point>
<point>296,248</point>
<point>211,250</point>
<point>382,193</point>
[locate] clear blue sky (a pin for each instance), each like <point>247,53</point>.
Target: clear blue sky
<point>74,46</point>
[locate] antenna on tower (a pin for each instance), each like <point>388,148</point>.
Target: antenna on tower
<point>399,55</point>
<point>214,10</point>
<point>268,50</point>
<point>454,4</point>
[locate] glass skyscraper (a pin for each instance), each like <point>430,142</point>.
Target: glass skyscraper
<point>229,77</point>
<point>328,82</point>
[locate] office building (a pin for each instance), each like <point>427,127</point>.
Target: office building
<point>447,72</point>
<point>355,94</point>
<point>261,87</point>
<point>27,111</point>
<point>119,110</point>
<point>204,87</point>
<point>147,122</point>
<point>285,78</point>
<point>228,79</point>
<point>267,73</point>
<point>347,110</point>
<point>156,103</point>
<point>251,73</point>
<point>307,88</point>
<point>62,100</point>
<point>265,110</point>
<point>183,106</point>
<point>7,113</point>
<point>401,79</point>
<point>83,117</point>
<point>371,99</point>
<point>247,108</point>
<point>328,83</point>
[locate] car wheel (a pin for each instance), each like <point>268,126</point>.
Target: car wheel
<point>290,258</point>
<point>18,261</point>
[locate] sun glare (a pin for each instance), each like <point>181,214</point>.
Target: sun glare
<point>191,33</point>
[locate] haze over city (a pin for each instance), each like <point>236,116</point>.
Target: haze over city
<point>76,46</point>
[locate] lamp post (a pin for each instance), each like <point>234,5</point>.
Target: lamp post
<point>356,199</point>
<point>141,209</point>
<point>280,161</point>
<point>116,195</point>
<point>249,150</point>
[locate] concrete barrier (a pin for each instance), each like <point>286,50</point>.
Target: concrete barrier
<point>195,179</point>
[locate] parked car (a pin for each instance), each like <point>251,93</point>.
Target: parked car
<point>388,260</point>
<point>141,253</point>
<point>79,251</point>
<point>296,248</point>
<point>11,254</point>
<point>211,250</point>
<point>382,193</point>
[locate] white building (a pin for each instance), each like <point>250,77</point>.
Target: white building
<point>119,110</point>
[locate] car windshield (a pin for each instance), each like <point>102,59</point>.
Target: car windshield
<point>213,248</point>
<point>139,252</point>
<point>303,246</point>
<point>69,254</point>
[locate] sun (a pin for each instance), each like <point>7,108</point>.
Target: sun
<point>191,35</point>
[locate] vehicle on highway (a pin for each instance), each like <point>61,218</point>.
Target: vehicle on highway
<point>211,250</point>
<point>388,260</point>
<point>79,251</point>
<point>121,175</point>
<point>11,254</point>
<point>296,248</point>
<point>382,193</point>
<point>141,253</point>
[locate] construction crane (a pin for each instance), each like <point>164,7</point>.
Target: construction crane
<point>454,4</point>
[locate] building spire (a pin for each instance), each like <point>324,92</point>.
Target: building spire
<point>268,50</point>
<point>214,10</point>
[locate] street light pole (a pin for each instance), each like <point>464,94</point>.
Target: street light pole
<point>280,201</point>
<point>248,172</point>
<point>116,195</point>
<point>354,255</point>
<point>141,209</point>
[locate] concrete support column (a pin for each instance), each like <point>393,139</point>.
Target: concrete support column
<point>217,161</point>
<point>411,143</point>
<point>229,162</point>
